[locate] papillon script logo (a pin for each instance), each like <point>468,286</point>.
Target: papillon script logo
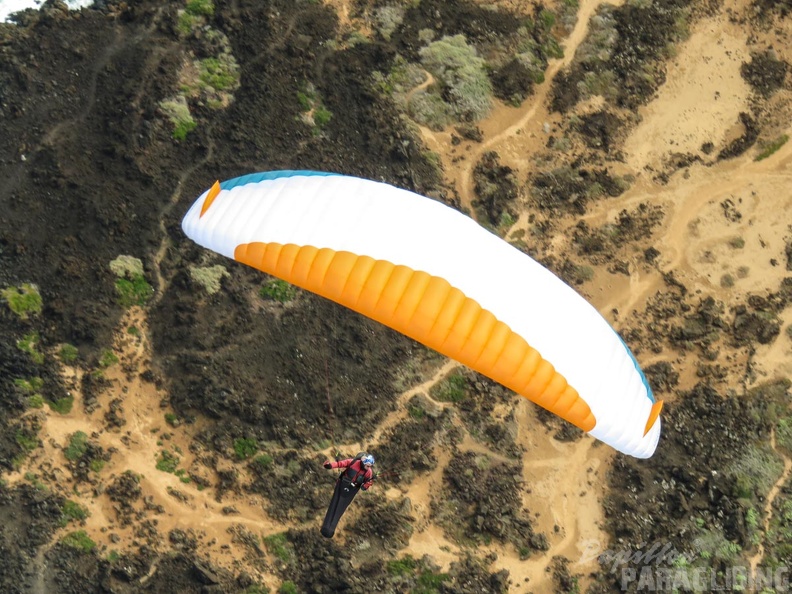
<point>661,567</point>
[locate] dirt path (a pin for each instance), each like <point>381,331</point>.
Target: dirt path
<point>511,131</point>
<point>756,559</point>
<point>136,447</point>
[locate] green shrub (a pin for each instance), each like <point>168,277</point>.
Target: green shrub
<point>322,116</point>
<point>388,18</point>
<point>771,147</point>
<point>404,566</point>
<point>178,112</point>
<point>26,440</point>
<point>756,471</point>
<point>264,461</point>
<point>131,286</point>
<point>462,76</point>
<point>72,511</point>
<point>35,401</point>
<point>68,353</point>
<point>209,277</point>
<point>200,8</point>
<point>305,100</point>
<point>63,405</point>
<point>107,359</point>
<point>24,300</point>
<point>278,290</point>
<point>28,344</point>
<point>29,386</point>
<point>451,389</point>
<point>220,73</point>
<point>135,291</point>
<point>126,266</point>
<point>278,545</point>
<point>288,587</point>
<point>167,462</point>
<point>79,540</point>
<point>416,412</point>
<point>245,447</point>
<point>429,583</point>
<point>429,109</point>
<point>78,445</point>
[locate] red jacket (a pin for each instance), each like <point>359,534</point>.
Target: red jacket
<point>355,471</point>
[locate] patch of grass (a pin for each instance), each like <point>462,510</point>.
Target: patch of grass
<point>451,389</point>
<point>107,359</point>
<point>28,344</point>
<point>29,386</point>
<point>416,412</point>
<point>429,583</point>
<point>220,73</point>
<point>97,464</point>
<point>278,545</point>
<point>771,147</point>
<point>404,566</point>
<point>72,512</point>
<point>27,441</point>
<point>131,286</point>
<point>178,112</point>
<point>322,116</point>
<point>63,405</point>
<point>35,401</point>
<point>33,479</point>
<point>167,462</point>
<point>264,461</point>
<point>278,290</point>
<point>305,100</point>
<point>68,353</point>
<point>200,8</point>
<point>245,447</point>
<point>78,445</point>
<point>288,587</point>
<point>79,540</point>
<point>209,277</point>
<point>24,301</point>
<point>134,291</point>
<point>172,420</point>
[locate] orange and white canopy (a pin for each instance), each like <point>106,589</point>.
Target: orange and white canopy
<point>434,274</point>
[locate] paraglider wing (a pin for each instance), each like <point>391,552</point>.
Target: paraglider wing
<point>434,274</point>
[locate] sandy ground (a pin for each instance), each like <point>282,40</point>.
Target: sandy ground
<point>698,103</point>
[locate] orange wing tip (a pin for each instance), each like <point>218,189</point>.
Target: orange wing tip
<point>654,414</point>
<point>213,192</point>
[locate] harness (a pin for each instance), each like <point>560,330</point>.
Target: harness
<point>355,477</point>
<point>351,476</point>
